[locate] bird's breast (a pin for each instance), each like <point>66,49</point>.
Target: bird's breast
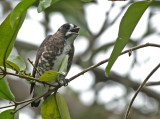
<point>51,59</point>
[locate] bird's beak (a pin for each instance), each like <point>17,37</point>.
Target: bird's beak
<point>75,30</point>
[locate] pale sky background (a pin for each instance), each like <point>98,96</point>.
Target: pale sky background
<point>148,58</point>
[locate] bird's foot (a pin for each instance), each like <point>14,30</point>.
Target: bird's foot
<point>65,82</point>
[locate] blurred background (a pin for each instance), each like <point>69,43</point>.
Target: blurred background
<point>92,95</point>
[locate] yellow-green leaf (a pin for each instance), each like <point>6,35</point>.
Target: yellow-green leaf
<point>49,109</point>
<point>16,62</point>
<point>49,76</point>
<point>62,107</point>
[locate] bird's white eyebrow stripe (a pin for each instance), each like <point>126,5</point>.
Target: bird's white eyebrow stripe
<point>72,26</point>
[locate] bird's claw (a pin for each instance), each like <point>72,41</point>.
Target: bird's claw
<point>65,82</point>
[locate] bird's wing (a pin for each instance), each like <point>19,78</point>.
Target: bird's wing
<point>39,53</point>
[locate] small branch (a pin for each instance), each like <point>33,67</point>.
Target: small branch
<point>7,106</point>
<point>34,66</point>
<point>12,67</point>
<point>139,89</point>
<point>18,103</point>
<point>46,94</point>
<point>106,60</point>
<point>25,101</point>
<point>153,83</point>
<point>31,78</point>
<point>72,78</point>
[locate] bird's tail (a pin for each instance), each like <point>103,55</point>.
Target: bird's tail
<point>39,90</point>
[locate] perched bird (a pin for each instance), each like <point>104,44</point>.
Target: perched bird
<point>50,55</point>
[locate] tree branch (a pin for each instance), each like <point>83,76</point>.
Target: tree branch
<point>31,78</point>
<point>72,78</point>
<point>153,83</point>
<point>139,89</point>
<point>106,60</point>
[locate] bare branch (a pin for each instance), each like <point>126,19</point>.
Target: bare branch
<point>106,60</point>
<point>44,95</point>
<point>153,83</point>
<point>139,89</point>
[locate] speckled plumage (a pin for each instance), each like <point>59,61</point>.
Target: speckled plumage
<point>50,55</point>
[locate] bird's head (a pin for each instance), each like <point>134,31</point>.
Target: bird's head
<point>69,30</point>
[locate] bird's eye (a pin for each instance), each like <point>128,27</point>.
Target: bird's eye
<point>67,27</point>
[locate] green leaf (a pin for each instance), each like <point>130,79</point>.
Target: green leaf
<point>63,66</point>
<point>43,4</point>
<point>19,10</point>
<point>5,92</point>
<point>49,76</point>
<point>8,35</point>
<point>62,106</point>
<point>49,109</point>
<point>127,25</point>
<point>6,114</point>
<point>16,62</point>
<point>10,27</point>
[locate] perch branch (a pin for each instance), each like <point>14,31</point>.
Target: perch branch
<point>75,76</point>
<point>106,60</point>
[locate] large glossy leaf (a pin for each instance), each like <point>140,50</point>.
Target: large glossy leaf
<point>16,62</point>
<point>43,4</point>
<point>5,92</point>
<point>10,27</point>
<point>127,25</point>
<point>49,109</point>
<point>19,10</point>
<point>6,114</point>
<point>49,76</point>
<point>62,107</point>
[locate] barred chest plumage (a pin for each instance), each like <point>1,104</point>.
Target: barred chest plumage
<point>53,54</point>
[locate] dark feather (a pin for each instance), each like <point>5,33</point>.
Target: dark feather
<point>39,53</point>
<point>35,104</point>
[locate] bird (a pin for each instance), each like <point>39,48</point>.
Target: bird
<point>50,55</point>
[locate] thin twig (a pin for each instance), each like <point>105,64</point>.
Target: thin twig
<point>18,103</point>
<point>34,66</point>
<point>28,100</point>
<point>153,83</point>
<point>12,67</point>
<point>31,78</point>
<point>106,60</point>
<point>7,106</point>
<point>139,89</point>
<point>44,95</point>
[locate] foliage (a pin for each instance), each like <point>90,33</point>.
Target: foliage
<point>131,18</point>
<point>54,105</point>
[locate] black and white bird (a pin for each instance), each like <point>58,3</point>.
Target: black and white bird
<point>50,55</point>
